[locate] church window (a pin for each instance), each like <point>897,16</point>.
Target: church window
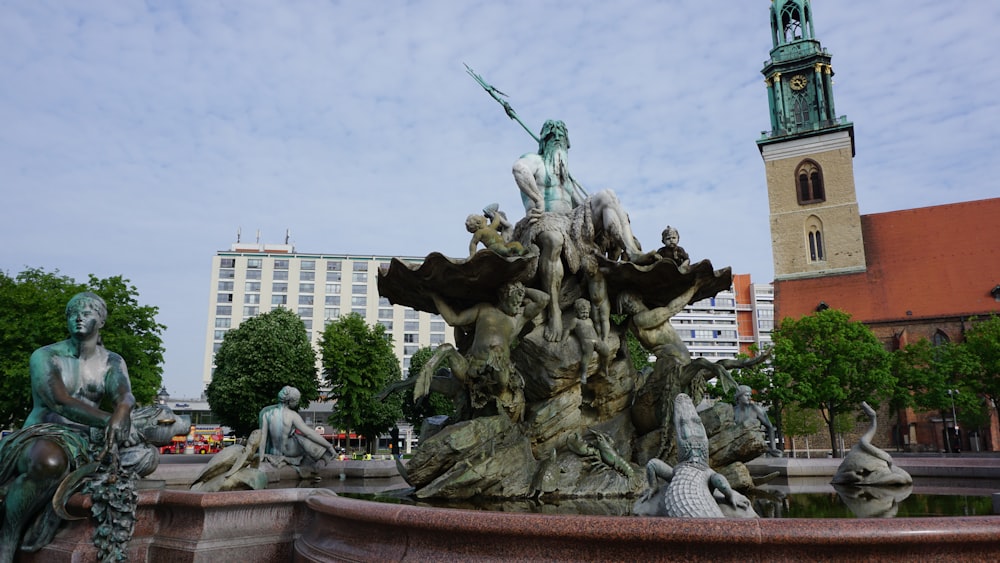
<point>800,109</point>
<point>809,181</point>
<point>814,239</point>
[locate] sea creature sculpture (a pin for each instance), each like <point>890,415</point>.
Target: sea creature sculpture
<point>867,465</point>
<point>692,484</point>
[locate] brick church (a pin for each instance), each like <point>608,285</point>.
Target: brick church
<point>908,274</point>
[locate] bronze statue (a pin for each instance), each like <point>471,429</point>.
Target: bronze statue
<point>67,436</point>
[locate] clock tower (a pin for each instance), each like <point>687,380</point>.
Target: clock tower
<point>808,155</point>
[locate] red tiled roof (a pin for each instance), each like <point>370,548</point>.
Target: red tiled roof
<point>939,261</point>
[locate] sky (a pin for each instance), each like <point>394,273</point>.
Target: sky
<point>138,138</point>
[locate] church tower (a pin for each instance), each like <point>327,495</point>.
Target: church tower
<point>808,155</point>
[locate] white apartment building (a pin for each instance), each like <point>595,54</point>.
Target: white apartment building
<point>252,278</point>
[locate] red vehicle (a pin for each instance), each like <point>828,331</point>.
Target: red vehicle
<point>175,447</point>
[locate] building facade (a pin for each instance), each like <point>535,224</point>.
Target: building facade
<point>250,279</point>
<point>908,275</point>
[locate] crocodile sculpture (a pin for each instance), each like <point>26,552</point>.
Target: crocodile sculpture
<point>690,487</point>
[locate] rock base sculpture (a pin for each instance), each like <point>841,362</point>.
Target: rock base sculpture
<point>867,465</point>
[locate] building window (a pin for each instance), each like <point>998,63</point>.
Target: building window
<point>227,263</point>
<point>411,338</point>
<point>809,180</point>
<point>306,287</point>
<point>308,323</point>
<point>800,109</point>
<point>411,314</point>
<point>252,298</point>
<point>359,301</point>
<point>253,274</point>
<point>252,287</point>
<point>219,335</point>
<point>333,266</point>
<point>250,311</point>
<point>254,263</point>
<point>358,311</point>
<point>279,287</point>
<point>223,310</point>
<point>361,277</point>
<point>333,288</point>
<point>814,239</point>
<point>226,286</point>
<point>281,264</point>
<point>331,313</point>
<point>384,313</point>
<point>437,326</point>
<point>384,302</point>
<point>279,299</point>
<point>307,265</point>
<point>412,326</point>
<point>387,325</point>
<point>360,266</point>
<point>437,339</point>
<point>223,323</point>
<point>224,298</point>
<point>331,300</point>
<point>359,289</point>
<point>307,276</point>
<point>333,276</point>
<point>305,311</point>
<point>305,299</point>
<point>227,274</point>
<point>410,350</point>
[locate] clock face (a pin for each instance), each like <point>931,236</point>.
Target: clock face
<point>798,82</point>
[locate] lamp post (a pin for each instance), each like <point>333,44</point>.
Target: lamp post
<point>162,397</point>
<point>954,417</point>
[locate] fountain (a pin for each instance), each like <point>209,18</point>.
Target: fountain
<point>549,404</point>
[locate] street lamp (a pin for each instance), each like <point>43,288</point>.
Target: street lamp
<point>162,397</point>
<point>954,417</point>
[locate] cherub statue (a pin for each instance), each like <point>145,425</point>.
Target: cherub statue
<point>669,251</point>
<point>487,233</point>
<point>590,342</point>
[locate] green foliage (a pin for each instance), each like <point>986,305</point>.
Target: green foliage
<point>432,405</point>
<point>358,362</point>
<point>833,363</point>
<point>938,378</point>
<point>33,314</point>
<point>799,421</point>
<point>255,361</point>
<point>982,342</point>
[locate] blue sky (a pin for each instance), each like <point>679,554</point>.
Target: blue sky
<point>138,137</point>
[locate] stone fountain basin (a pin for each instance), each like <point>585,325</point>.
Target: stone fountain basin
<point>304,524</point>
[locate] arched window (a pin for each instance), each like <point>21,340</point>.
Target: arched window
<point>939,338</point>
<point>814,239</point>
<point>809,180</point>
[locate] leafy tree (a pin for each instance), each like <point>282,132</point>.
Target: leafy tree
<point>834,364</point>
<point>358,362</point>
<point>982,342</point>
<point>432,405</point>
<point>33,314</point>
<point>799,422</point>
<point>938,378</point>
<point>257,359</point>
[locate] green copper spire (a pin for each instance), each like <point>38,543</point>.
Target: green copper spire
<point>798,77</point>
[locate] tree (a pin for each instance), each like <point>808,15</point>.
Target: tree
<point>938,378</point>
<point>799,422</point>
<point>982,342</point>
<point>432,405</point>
<point>834,364</point>
<point>257,359</point>
<point>358,362</point>
<point>33,314</point>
